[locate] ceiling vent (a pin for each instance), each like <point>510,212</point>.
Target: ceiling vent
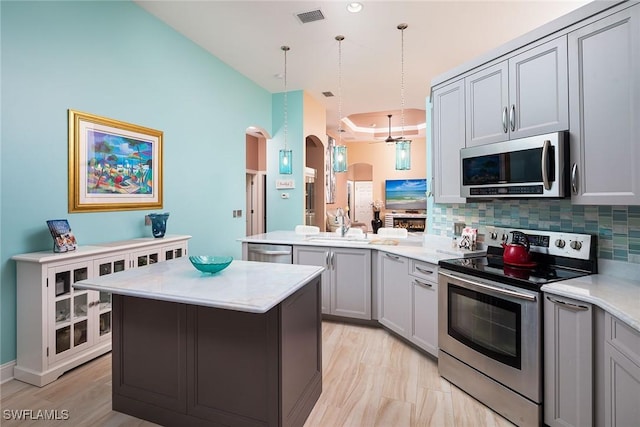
<point>328,94</point>
<point>310,16</point>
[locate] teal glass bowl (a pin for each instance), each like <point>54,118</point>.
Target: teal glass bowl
<point>210,264</point>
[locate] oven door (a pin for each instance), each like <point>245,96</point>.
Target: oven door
<point>494,328</point>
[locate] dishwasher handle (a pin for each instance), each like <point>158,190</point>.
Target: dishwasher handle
<point>268,252</point>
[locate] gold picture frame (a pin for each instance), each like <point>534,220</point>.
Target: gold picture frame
<point>113,165</point>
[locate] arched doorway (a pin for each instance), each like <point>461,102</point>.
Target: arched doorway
<point>315,182</point>
<point>256,177</point>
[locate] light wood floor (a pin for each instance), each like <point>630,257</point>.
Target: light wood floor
<point>371,378</point>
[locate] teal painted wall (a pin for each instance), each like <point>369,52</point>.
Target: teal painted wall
<point>115,60</point>
<point>285,214</point>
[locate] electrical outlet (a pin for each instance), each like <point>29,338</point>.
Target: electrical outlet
<point>458,227</point>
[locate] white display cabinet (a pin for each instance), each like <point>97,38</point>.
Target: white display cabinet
<point>60,327</point>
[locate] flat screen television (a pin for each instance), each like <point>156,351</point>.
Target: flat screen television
<point>405,194</point>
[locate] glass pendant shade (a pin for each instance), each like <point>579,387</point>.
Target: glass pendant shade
<point>284,162</point>
<point>403,155</point>
<point>340,158</point>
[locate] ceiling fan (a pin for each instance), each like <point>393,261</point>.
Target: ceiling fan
<point>391,139</point>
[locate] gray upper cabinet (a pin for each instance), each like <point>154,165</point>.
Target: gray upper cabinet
<point>487,96</point>
<point>604,95</point>
<point>448,139</point>
<point>522,96</point>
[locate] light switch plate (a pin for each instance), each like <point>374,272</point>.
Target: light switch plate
<point>285,183</point>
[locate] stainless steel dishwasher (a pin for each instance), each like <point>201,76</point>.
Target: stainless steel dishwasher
<point>281,254</point>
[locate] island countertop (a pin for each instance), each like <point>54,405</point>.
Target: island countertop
<point>253,287</point>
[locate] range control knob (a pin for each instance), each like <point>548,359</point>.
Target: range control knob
<point>575,244</point>
<point>560,243</point>
<point>494,235</point>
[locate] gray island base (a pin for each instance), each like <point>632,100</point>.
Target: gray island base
<point>179,364</point>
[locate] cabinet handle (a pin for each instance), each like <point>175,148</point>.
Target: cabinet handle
<point>426,285</point>
<point>545,167</point>
<point>512,117</point>
<point>574,178</point>
<point>333,265</point>
<point>327,259</point>
<point>505,126</point>
<point>570,306</point>
<point>396,258</point>
<point>422,270</point>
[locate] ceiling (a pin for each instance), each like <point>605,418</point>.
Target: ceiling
<point>247,35</point>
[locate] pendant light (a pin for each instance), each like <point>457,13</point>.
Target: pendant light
<point>339,151</point>
<point>403,146</point>
<point>285,157</point>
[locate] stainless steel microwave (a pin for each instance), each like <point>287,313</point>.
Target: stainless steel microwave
<point>530,167</point>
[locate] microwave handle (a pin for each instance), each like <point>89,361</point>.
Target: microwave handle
<point>574,178</point>
<point>505,126</point>
<point>545,165</point>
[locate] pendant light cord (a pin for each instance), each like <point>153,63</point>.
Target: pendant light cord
<point>402,27</point>
<point>339,39</point>
<point>285,49</point>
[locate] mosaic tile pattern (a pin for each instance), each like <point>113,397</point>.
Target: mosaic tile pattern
<point>617,227</point>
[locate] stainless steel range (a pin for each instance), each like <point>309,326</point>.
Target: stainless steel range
<point>490,334</point>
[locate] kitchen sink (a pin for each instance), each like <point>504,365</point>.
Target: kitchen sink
<point>354,240</point>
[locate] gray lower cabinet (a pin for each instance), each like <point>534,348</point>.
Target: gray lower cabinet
<point>395,293</point>
<point>346,281</point>
<point>568,362</point>
<point>621,374</point>
<point>424,308</point>
<point>604,96</point>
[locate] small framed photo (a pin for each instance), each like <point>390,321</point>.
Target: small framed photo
<point>113,165</point>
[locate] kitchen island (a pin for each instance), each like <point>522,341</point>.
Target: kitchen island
<point>240,347</point>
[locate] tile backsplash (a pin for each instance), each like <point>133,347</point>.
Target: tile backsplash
<point>617,227</point>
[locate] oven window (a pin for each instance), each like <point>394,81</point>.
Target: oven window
<point>485,323</point>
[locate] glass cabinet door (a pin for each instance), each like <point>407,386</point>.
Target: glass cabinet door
<point>140,259</point>
<point>102,304</point>
<point>172,252</point>
<point>69,309</point>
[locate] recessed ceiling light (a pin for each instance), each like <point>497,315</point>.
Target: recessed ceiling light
<point>354,7</point>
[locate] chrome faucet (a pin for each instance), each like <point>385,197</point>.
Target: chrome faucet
<point>342,221</point>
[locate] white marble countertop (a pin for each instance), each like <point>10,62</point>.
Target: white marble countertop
<point>253,287</point>
<point>619,296</point>
<point>428,248</point>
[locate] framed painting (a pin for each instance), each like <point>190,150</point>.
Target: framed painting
<point>113,165</point>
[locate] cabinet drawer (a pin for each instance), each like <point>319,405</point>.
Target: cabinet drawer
<point>623,337</point>
<point>424,270</point>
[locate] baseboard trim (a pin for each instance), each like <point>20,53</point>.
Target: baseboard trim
<point>6,371</point>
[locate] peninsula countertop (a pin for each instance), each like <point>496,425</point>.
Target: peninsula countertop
<point>253,287</point>
<point>427,248</point>
<point>618,296</point>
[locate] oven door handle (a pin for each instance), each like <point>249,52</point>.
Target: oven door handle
<point>496,289</point>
